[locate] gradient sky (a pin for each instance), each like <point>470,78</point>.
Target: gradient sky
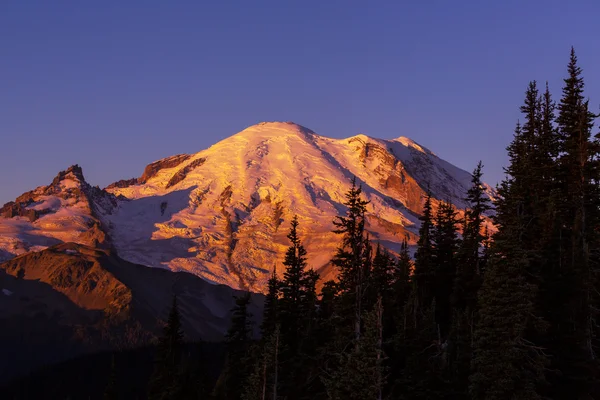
<point>114,85</point>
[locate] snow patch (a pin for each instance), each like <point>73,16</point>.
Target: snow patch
<point>412,144</point>
<point>51,203</point>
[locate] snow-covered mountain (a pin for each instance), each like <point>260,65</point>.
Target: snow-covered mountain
<point>67,210</point>
<point>223,213</point>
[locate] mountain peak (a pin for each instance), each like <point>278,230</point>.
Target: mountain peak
<point>361,137</point>
<point>408,142</point>
<point>73,173</point>
<point>277,128</point>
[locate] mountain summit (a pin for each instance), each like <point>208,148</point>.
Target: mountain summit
<point>223,213</point>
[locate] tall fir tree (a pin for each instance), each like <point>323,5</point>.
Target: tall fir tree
<point>297,319</point>
<point>329,294</point>
<point>352,258</point>
<point>419,338</point>
<point>271,305</point>
<point>381,279</point>
<point>424,272</point>
<point>505,364</point>
<point>468,272</point>
<point>362,373</point>
<point>546,147</point>
<point>578,202</point>
<point>485,254</point>
<point>263,382</point>
<point>401,285</point>
<point>508,360</point>
<point>422,355</point>
<point>467,281</point>
<point>297,291</point>
<point>238,366</point>
<point>166,379</point>
<point>401,290</point>
<point>445,239</point>
<point>479,204</point>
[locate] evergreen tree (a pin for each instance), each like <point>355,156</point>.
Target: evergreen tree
<point>401,328</point>
<point>381,279</point>
<point>238,366</point>
<point>327,320</point>
<point>329,294</point>
<point>353,257</point>
<point>505,364</point>
<point>468,272</point>
<point>263,381</point>
<point>271,305</point>
<point>361,374</point>
<point>419,340</point>
<point>380,289</point>
<point>532,166</point>
<point>327,336</point>
<point>424,273</point>
<point>467,282</point>
<point>354,261</point>
<point>401,285</point>
<point>444,250</point>
<point>423,354</point>
<point>485,255</point>
<point>577,204</point>
<point>479,204</point>
<point>508,360</point>
<point>298,291</point>
<point>165,381</point>
<point>255,387</point>
<point>547,150</point>
<point>297,318</point>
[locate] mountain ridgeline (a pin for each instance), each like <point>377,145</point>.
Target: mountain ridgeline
<point>223,213</point>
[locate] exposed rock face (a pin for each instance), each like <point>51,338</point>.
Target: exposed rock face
<point>69,209</point>
<point>152,169</point>
<point>182,173</point>
<point>12,209</point>
<point>123,183</point>
<point>72,299</point>
<point>75,170</point>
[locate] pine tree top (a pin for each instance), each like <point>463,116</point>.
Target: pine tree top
<point>293,234</point>
<point>173,331</point>
<point>357,208</point>
<point>241,323</point>
<point>572,98</point>
<point>424,242</point>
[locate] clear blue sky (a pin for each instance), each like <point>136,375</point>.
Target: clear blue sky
<point>113,85</point>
